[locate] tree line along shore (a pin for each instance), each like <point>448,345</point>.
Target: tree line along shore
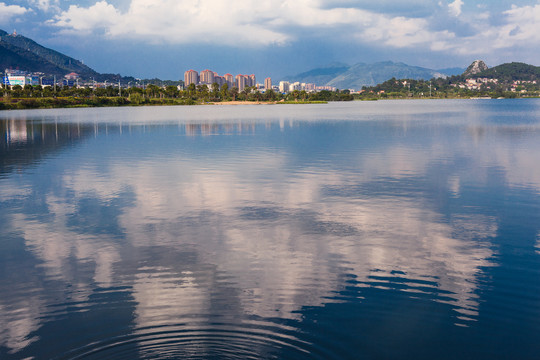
<point>36,97</point>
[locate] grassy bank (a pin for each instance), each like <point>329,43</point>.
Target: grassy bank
<point>102,101</point>
<point>96,101</point>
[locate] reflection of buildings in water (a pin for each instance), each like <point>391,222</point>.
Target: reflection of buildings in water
<point>35,132</point>
<point>205,129</point>
<point>16,131</point>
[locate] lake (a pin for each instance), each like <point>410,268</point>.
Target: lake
<point>358,230</point>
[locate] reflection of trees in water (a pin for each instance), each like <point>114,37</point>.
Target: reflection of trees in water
<point>22,141</point>
<point>25,141</point>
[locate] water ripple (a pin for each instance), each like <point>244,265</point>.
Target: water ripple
<point>251,340</point>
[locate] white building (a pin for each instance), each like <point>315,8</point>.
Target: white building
<point>284,86</point>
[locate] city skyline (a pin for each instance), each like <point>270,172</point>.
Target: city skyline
<point>209,77</point>
<point>241,82</point>
<point>277,38</point>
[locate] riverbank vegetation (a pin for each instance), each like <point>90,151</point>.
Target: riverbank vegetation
<point>454,87</point>
<point>37,97</point>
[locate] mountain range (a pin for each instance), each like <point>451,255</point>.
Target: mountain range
<point>19,52</point>
<point>343,76</point>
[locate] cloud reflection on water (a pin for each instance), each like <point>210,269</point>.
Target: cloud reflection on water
<point>272,247</point>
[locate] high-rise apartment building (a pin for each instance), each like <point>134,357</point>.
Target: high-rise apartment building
<point>207,77</point>
<point>191,77</point>
<point>251,81</point>
<point>268,83</point>
<point>220,80</point>
<point>241,82</point>
<point>229,79</point>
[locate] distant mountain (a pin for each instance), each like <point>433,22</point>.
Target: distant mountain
<point>17,58</point>
<point>17,51</point>
<point>322,75</point>
<point>342,76</point>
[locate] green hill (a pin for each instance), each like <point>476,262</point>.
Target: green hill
<point>511,72</point>
<point>17,58</point>
<point>17,51</point>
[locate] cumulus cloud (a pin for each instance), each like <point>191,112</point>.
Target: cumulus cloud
<point>455,7</point>
<point>522,25</point>
<point>251,22</point>
<point>182,21</point>
<point>99,15</point>
<point>7,12</point>
<point>45,5</point>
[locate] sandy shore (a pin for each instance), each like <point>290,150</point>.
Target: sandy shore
<point>243,103</point>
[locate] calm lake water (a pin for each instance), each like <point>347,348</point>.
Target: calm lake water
<point>365,230</point>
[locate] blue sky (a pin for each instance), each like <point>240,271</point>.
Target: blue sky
<point>163,38</point>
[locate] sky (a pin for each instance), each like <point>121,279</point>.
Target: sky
<point>277,38</point>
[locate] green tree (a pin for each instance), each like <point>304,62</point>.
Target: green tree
<point>152,90</point>
<point>192,90</point>
<point>225,91</point>
<point>171,91</point>
<point>234,93</point>
<point>202,92</point>
<point>270,95</point>
<point>215,91</point>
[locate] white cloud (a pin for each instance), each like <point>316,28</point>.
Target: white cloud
<point>45,5</point>
<point>518,28</point>
<point>401,32</point>
<point>522,26</point>
<point>83,20</point>
<point>251,22</point>
<point>181,21</point>
<point>9,11</point>
<point>455,7</point>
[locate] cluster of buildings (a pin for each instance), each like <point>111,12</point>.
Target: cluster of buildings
<point>13,77</point>
<point>209,77</point>
<point>286,87</point>
<point>22,78</point>
<point>479,83</point>
<point>476,84</point>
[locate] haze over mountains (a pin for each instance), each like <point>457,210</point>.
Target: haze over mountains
<point>343,76</point>
<point>19,52</point>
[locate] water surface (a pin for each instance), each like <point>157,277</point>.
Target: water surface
<point>365,230</point>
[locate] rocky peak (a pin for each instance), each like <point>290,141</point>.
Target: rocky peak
<point>476,67</point>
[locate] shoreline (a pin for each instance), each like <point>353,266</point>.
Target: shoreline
<point>66,103</point>
<point>243,102</point>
